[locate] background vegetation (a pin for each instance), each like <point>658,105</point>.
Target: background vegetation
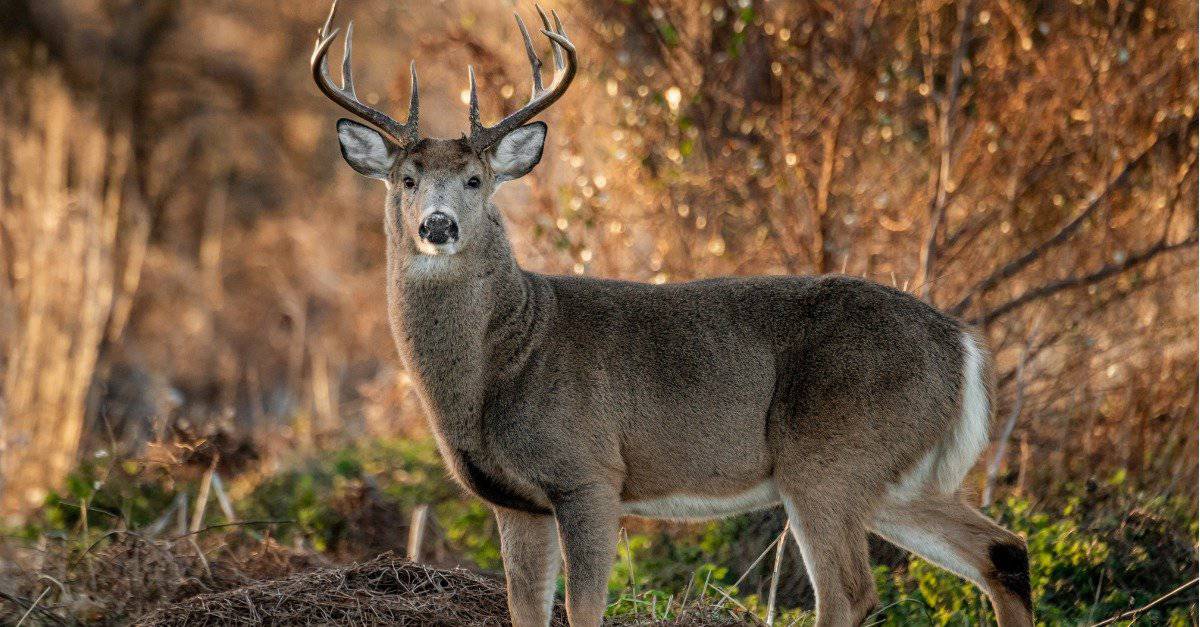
<point>191,280</point>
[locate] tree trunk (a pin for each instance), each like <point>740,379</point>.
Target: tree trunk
<point>62,174</point>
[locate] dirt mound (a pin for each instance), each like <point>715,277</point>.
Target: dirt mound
<point>388,590</point>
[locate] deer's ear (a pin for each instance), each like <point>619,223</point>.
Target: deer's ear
<point>366,149</point>
<point>515,155</point>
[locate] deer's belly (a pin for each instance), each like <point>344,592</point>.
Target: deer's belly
<point>696,507</point>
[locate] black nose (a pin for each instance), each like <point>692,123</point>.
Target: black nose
<point>438,228</point>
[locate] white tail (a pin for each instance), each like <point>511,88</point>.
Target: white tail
<point>944,468</point>
<point>966,444</point>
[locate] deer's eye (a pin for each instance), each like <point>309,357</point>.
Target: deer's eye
<point>409,182</point>
<point>473,182</point>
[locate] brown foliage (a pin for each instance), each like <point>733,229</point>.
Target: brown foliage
<point>1031,167</point>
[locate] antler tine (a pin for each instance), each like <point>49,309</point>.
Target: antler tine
<point>482,137</point>
<point>558,28</point>
<point>534,62</point>
<point>560,41</point>
<point>345,96</point>
<point>414,102</point>
<point>558,60</point>
<point>347,70</point>
<point>324,32</point>
<point>473,109</point>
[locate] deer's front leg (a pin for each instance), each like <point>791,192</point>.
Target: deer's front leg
<point>529,547</point>
<point>588,524</point>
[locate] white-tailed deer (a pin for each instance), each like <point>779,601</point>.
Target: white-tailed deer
<point>569,402</point>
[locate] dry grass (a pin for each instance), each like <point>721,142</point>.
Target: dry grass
<point>123,576</point>
<point>388,590</point>
<point>136,580</point>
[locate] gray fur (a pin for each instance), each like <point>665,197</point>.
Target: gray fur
<point>568,396</point>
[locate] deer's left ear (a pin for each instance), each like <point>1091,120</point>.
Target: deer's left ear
<point>515,155</point>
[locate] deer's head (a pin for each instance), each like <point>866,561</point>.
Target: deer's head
<point>439,189</point>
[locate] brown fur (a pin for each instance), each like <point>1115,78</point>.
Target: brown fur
<point>566,399</point>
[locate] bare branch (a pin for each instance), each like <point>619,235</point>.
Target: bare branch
<point>1110,299</point>
<point>1103,273</point>
<point>1134,613</point>
<point>993,471</point>
<point>1095,201</point>
<point>937,208</point>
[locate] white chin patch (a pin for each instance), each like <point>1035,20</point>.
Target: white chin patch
<point>434,250</point>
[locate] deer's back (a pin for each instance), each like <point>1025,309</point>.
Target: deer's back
<point>877,330</point>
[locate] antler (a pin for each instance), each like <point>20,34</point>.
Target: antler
<point>484,136</point>
<point>344,96</point>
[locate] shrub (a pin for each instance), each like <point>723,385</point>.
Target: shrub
<point>1106,550</point>
<point>357,500</point>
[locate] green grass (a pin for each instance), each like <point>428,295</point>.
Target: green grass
<point>1105,549</point>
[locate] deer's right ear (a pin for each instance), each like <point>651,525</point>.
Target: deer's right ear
<point>366,149</point>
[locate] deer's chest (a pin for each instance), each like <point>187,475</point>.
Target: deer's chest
<point>440,339</point>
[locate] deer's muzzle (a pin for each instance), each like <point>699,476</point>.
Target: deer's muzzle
<point>438,228</point>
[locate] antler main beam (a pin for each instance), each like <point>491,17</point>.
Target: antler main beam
<point>344,95</point>
<point>540,99</point>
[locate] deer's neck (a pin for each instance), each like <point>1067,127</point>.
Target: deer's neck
<point>459,329</point>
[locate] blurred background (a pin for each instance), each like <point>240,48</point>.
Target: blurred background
<point>191,280</point>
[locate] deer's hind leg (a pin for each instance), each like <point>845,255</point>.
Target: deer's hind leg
<point>947,532</point>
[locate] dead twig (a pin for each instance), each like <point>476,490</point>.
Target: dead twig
<point>1135,612</point>
<point>157,527</point>
<point>238,523</point>
<point>223,498</point>
<point>757,560</point>
<point>993,470</point>
<point>202,495</point>
<point>780,545</point>
<point>416,532</point>
<point>1101,274</point>
<point>32,606</point>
